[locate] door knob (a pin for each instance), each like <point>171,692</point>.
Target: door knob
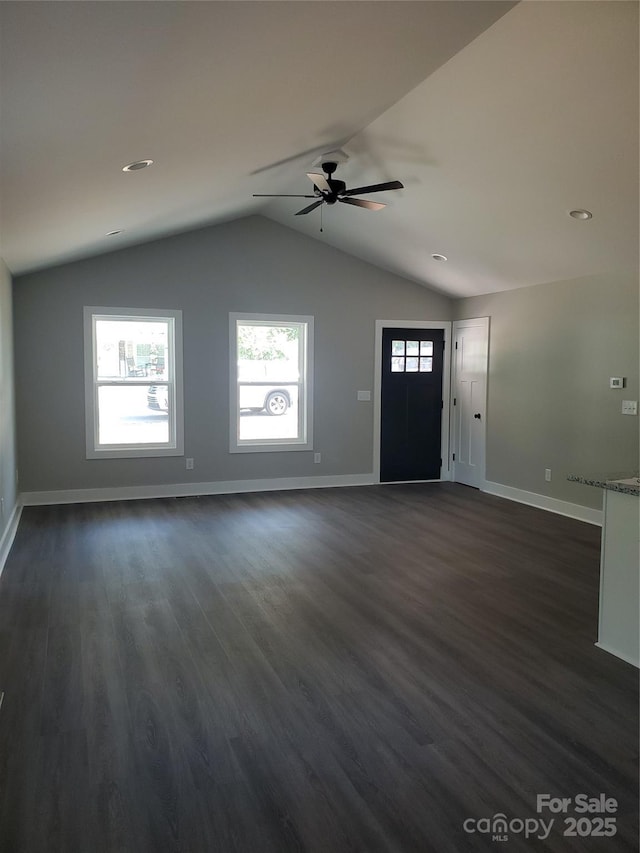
<point>477,416</point>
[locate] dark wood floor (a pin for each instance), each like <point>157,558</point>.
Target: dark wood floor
<point>333,670</point>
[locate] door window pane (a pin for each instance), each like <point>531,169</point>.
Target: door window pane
<point>426,365</point>
<point>397,347</point>
<point>412,348</point>
<point>397,364</point>
<point>412,365</point>
<point>426,347</point>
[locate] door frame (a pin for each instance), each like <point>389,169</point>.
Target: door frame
<point>445,325</point>
<point>462,324</point>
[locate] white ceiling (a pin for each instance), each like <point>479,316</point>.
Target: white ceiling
<point>497,118</point>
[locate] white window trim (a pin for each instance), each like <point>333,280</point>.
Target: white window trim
<point>175,445</point>
<point>305,402</point>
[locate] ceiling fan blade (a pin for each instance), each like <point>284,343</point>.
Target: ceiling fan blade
<point>281,195</point>
<point>319,181</point>
<point>375,188</point>
<point>361,202</point>
<point>310,207</point>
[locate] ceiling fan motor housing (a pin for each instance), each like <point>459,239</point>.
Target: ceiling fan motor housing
<point>329,167</point>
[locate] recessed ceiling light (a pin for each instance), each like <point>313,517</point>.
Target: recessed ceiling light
<point>113,233</point>
<point>437,257</point>
<point>581,214</point>
<point>137,165</point>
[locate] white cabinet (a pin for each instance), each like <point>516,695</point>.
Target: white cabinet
<point>619,613</point>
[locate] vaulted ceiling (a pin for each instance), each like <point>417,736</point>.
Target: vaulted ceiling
<point>498,118</point>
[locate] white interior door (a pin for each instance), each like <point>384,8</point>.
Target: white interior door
<point>470,360</point>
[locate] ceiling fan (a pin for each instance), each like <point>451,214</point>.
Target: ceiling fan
<point>329,190</point>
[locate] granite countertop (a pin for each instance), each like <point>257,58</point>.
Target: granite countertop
<point>628,484</point>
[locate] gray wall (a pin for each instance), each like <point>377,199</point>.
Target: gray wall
<point>7,413</point>
<point>553,348</point>
<point>247,265</point>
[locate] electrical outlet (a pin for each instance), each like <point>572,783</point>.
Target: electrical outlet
<point>547,475</point>
<point>189,463</point>
<point>629,407</point>
<point>317,457</point>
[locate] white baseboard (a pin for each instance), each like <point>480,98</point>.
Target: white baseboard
<point>410,482</point>
<point>582,513</point>
<point>625,658</point>
<point>182,490</point>
<point>226,487</point>
<point>6,540</point>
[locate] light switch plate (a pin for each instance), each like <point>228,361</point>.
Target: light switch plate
<point>629,407</point>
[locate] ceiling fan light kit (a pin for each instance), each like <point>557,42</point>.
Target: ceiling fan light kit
<point>329,190</point>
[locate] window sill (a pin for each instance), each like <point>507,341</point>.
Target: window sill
<point>270,448</point>
<point>134,452</point>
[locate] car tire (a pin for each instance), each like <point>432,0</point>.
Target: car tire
<point>276,403</point>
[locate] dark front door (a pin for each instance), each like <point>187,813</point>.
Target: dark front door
<point>411,406</point>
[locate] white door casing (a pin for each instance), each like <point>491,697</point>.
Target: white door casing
<point>470,360</point>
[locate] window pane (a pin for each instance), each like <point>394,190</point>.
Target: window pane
<point>412,348</point>
<point>426,347</point>
<point>128,415</point>
<point>270,385</point>
<point>131,349</point>
<point>426,365</point>
<point>412,365</point>
<point>397,347</point>
<point>397,364</point>
<point>268,412</point>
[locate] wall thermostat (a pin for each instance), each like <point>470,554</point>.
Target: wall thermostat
<point>616,382</point>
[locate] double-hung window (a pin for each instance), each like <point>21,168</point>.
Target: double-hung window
<point>271,382</point>
<point>133,382</point>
